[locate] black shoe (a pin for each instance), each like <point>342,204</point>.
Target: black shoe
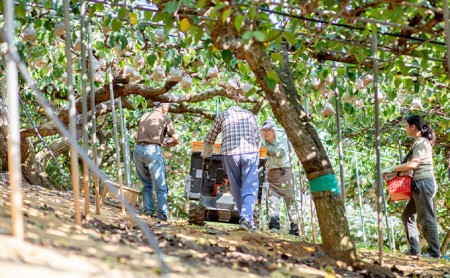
<point>151,214</point>
<point>294,229</point>
<point>274,223</point>
<point>245,225</point>
<point>429,256</point>
<point>162,217</point>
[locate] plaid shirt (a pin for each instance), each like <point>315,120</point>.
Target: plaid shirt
<point>240,132</point>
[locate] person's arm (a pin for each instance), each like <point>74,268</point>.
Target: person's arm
<point>411,165</point>
<point>211,137</point>
<point>279,149</point>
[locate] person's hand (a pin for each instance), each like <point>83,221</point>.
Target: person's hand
<point>207,151</point>
<point>387,170</point>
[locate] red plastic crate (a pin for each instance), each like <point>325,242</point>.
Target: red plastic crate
<point>400,188</point>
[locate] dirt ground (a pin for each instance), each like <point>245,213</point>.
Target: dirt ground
<point>110,245</point>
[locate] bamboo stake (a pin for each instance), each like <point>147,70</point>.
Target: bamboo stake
<point>313,224</point>
<point>339,134</point>
<point>72,116</point>
<point>94,121</point>
<point>447,32</point>
<point>116,135</point>
<point>124,144</point>
<point>14,155</point>
<point>360,200</point>
<point>87,213</point>
<point>377,146</point>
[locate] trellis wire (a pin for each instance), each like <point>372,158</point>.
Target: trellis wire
<point>73,141</point>
<point>14,155</point>
<point>94,121</point>
<point>116,136</point>
<point>84,108</point>
<point>72,115</point>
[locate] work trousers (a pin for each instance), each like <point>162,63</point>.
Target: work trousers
<point>242,171</point>
<point>281,186</point>
<point>422,204</point>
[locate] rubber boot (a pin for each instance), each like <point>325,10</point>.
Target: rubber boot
<point>294,229</point>
<point>274,224</point>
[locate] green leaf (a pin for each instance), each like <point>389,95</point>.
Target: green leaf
<point>227,55</point>
<point>159,17</point>
<point>270,83</point>
<point>133,18</point>
<point>247,35</point>
<point>122,13</point>
<point>226,14</point>
<point>21,11</point>
<point>99,7</point>
<point>239,20</point>
<point>116,24</point>
<point>259,36</point>
<point>148,15</point>
<point>252,12</point>
<point>276,56</point>
<point>273,75</point>
<point>289,36</point>
<point>171,7</point>
<point>151,59</point>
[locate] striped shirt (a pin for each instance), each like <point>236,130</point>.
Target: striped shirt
<point>240,132</point>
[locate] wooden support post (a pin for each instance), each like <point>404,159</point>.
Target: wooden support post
<point>14,155</point>
<point>87,213</point>
<point>94,120</point>
<point>339,133</point>
<point>313,224</point>
<point>377,145</point>
<point>72,115</point>
<point>360,200</point>
<point>116,135</point>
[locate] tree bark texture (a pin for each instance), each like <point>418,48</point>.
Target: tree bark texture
<point>286,105</point>
<point>31,169</point>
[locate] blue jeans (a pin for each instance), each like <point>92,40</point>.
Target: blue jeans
<point>151,170</point>
<point>242,171</point>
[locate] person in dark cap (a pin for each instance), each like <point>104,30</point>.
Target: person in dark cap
<point>279,176</point>
<point>153,127</point>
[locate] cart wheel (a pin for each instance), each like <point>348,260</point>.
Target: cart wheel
<point>197,214</point>
<point>224,216</point>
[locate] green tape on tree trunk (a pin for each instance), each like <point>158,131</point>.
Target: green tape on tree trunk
<point>325,183</point>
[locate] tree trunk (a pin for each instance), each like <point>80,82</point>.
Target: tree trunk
<point>31,169</point>
<point>445,243</point>
<point>286,105</point>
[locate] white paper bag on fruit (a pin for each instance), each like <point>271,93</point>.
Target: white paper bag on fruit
<point>158,74</point>
<point>315,83</point>
<point>416,104</point>
<point>212,73</point>
<point>328,110</point>
<point>175,75</point>
<point>186,82</point>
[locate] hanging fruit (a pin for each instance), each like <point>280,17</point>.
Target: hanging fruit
<point>186,82</point>
<point>158,74</point>
<point>213,72</point>
<point>315,83</point>
<point>175,75</point>
<point>328,110</point>
<point>329,80</point>
<point>232,85</point>
<point>29,34</point>
<point>359,85</point>
<point>59,30</point>
<point>159,35</point>
<point>416,104</point>
<point>138,61</point>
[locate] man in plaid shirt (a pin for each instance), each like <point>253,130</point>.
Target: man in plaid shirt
<point>239,149</point>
